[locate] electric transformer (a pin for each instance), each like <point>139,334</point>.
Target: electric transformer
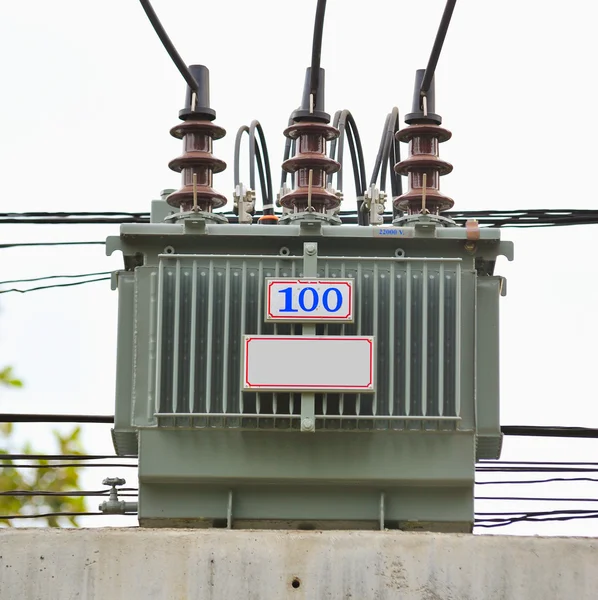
<point>212,451</point>
<point>296,371</point>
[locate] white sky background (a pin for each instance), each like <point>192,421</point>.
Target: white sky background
<point>90,95</point>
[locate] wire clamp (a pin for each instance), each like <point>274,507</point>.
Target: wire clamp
<point>244,203</point>
<point>374,202</point>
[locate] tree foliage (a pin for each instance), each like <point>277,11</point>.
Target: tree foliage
<point>49,481</point>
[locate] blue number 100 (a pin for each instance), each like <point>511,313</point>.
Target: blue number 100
<point>313,302</point>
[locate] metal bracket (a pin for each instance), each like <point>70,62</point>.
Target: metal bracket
<point>308,399</point>
<point>382,510</point>
<point>196,218</point>
<point>374,201</point>
<point>229,510</point>
<point>244,201</point>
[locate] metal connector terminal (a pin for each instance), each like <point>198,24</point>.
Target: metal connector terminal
<point>374,202</point>
<point>244,202</point>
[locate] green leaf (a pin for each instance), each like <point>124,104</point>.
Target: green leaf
<point>7,378</point>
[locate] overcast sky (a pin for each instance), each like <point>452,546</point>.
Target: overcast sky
<point>89,96</point>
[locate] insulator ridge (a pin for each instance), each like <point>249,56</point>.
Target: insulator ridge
<point>197,165</point>
<point>423,168</point>
<point>311,166</point>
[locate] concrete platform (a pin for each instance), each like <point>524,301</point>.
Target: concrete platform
<point>140,564</point>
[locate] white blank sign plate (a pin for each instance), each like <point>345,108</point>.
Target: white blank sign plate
<point>308,364</point>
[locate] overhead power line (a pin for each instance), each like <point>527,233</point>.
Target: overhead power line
<point>64,514</point>
<point>56,285</point>
<point>58,456</point>
<point>533,481</point>
<point>169,46</point>
<point>528,430</point>
<point>72,276</point>
<point>540,431</point>
<point>54,418</point>
<point>316,52</point>
<point>520,218</point>
<point>437,47</point>
<point>35,244</point>
<point>128,492</point>
<point>62,465</point>
<point>489,523</point>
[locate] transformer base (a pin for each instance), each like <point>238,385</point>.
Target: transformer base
<point>255,480</point>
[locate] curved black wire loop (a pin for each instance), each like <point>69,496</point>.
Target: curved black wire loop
<point>255,156</point>
<point>389,154</point>
<point>263,162</point>
<point>343,120</point>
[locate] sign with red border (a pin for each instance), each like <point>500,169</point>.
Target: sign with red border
<point>308,364</point>
<point>306,300</point>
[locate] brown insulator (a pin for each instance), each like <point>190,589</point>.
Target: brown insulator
<point>311,157</point>
<point>423,168</point>
<point>197,160</point>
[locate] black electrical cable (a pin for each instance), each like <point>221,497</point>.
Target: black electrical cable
<point>57,285</point>
<point>533,430</point>
<point>75,276</point>
<point>386,157</point>
<point>61,466</point>
<point>486,465</point>
<point>533,520</point>
<point>333,151</point>
<point>54,418</point>
<point>124,492</point>
<point>389,154</point>
<point>541,513</point>
<point>256,153</point>
<point>316,52</point>
<point>535,470</point>
<point>65,514</point>
<point>35,244</point>
<point>60,456</point>
<point>344,121</point>
<point>560,463</point>
<point>549,480</point>
<point>340,122</point>
<point>359,147</point>
<point>521,218</point>
<point>264,159</point>
<point>76,214</point>
<point>535,499</point>
<point>437,47</point>
<point>169,46</point>
<point>361,162</point>
<point>52,220</point>
<point>380,154</point>
<point>392,157</point>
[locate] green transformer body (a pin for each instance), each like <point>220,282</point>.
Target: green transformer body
<point>213,455</point>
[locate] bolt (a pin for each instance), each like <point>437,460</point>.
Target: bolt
<point>307,424</point>
<point>469,246</point>
<point>310,249</point>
